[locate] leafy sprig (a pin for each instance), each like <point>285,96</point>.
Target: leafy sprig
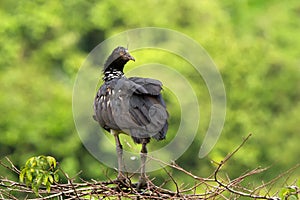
<point>40,170</point>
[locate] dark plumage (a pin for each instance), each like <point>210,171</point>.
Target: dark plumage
<point>133,106</point>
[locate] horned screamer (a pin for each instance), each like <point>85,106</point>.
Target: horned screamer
<point>133,106</point>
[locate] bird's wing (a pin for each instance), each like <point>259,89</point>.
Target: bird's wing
<point>147,109</point>
<point>149,115</point>
<point>152,86</point>
<point>147,112</point>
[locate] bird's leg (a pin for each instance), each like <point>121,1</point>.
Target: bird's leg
<point>142,179</point>
<point>119,148</point>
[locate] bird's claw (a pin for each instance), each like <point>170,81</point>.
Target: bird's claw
<point>123,181</point>
<point>142,183</point>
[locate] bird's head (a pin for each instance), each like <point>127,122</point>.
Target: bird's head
<point>117,59</point>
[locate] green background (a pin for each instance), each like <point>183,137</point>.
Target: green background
<point>255,44</point>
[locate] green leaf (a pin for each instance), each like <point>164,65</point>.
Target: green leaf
<point>288,193</point>
<point>292,197</point>
<point>48,186</point>
<point>56,177</point>
<point>50,178</point>
<point>39,179</point>
<point>45,179</point>
<point>51,161</point>
<point>29,175</point>
<point>21,176</point>
<point>35,188</point>
<point>29,161</point>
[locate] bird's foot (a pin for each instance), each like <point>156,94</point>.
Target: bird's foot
<point>122,180</point>
<point>142,183</point>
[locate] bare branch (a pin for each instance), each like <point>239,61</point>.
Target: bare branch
<point>212,187</point>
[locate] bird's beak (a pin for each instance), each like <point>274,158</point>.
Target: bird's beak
<point>130,57</point>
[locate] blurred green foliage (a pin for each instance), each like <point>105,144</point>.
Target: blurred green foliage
<point>255,44</point>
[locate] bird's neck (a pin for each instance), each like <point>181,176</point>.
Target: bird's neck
<point>112,74</point>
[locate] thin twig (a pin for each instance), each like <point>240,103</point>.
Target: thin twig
<point>212,187</point>
<point>171,177</point>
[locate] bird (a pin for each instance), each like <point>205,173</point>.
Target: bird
<point>133,106</point>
